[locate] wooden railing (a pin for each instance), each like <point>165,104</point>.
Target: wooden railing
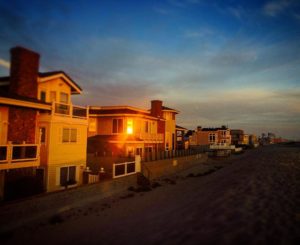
<point>12,153</point>
<point>69,110</point>
<point>152,137</point>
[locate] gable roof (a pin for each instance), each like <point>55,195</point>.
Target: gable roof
<point>45,76</point>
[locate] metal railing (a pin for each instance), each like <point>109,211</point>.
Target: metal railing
<point>123,169</point>
<point>12,153</point>
<point>69,110</point>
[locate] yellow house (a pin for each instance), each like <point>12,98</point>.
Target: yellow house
<point>40,123</point>
<point>63,131</point>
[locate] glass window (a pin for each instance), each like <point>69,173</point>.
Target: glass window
<point>63,176</point>
<point>117,126</point>
<point>64,98</point>
<point>212,138</point>
<point>69,135</point>
<point>66,134</point>
<point>52,96</point>
<point>67,175</point>
<point>73,135</point>
<point>43,96</point>
<point>43,135</point>
<point>146,127</point>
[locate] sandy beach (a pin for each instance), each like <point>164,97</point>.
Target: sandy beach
<point>251,198</point>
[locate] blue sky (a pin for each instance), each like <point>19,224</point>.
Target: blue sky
<point>219,62</point>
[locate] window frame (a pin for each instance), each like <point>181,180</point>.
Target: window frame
<point>67,138</point>
<point>117,125</point>
<point>68,177</point>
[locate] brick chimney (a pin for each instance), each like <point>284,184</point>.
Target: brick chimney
<point>23,81</point>
<point>156,108</point>
<point>24,72</point>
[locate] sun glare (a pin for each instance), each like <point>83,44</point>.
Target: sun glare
<point>129,126</point>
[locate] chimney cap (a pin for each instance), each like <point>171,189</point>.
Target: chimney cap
<point>22,49</point>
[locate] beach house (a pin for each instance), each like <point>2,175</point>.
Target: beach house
<point>43,135</point>
<point>127,131</point>
<point>210,136</point>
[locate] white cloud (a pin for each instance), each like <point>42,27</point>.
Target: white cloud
<point>4,63</point>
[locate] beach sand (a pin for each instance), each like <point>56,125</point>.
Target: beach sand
<point>252,198</point>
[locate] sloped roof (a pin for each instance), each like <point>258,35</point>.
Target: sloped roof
<point>164,108</point>
<point>75,87</point>
<point>44,75</point>
<point>179,127</point>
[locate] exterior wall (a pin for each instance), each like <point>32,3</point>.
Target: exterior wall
<point>22,125</point>
<point>3,125</point>
<point>56,153</point>
<point>224,137</point>
<point>170,130</point>
<point>57,85</point>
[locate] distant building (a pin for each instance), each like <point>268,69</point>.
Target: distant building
<point>237,136</point>
<point>210,136</point>
<point>42,134</point>
<point>181,142</point>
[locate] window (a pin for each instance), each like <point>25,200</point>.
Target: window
<point>146,127</point>
<point>117,126</point>
<point>69,135</point>
<point>43,96</point>
<point>64,98</point>
<point>67,176</point>
<point>43,135</point>
<point>212,138</point>
<point>223,133</point>
<point>73,137</point>
<point>52,96</point>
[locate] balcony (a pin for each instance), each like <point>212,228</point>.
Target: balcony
<point>69,110</point>
<point>19,156</point>
<point>151,137</point>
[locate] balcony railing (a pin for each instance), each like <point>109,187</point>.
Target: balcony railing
<point>13,153</point>
<point>69,110</point>
<point>152,137</point>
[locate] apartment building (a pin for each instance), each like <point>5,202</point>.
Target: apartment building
<point>43,135</point>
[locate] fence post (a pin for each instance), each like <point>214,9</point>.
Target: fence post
<point>138,167</point>
<point>114,170</point>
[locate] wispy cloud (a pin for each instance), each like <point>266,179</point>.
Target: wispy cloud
<point>4,63</point>
<point>237,12</point>
<point>204,32</point>
<point>162,11</point>
<point>275,8</point>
